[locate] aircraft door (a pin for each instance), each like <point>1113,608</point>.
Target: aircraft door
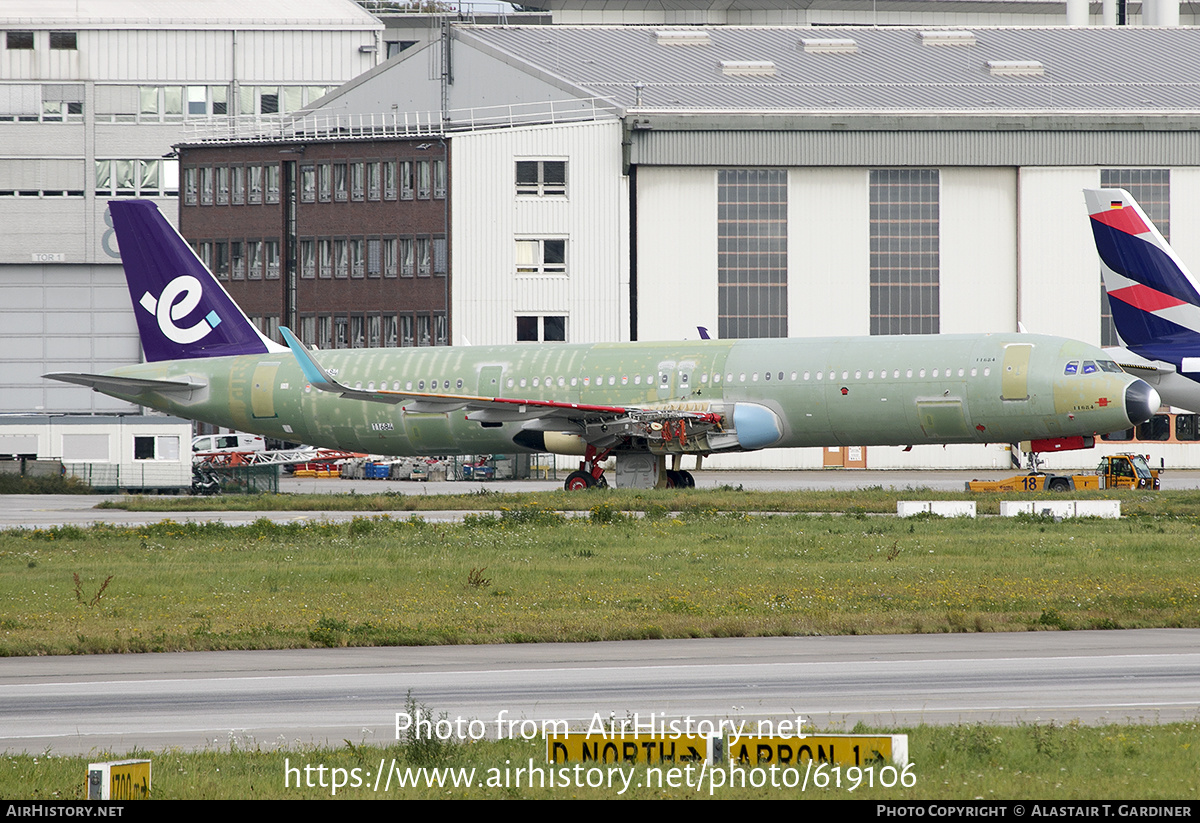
<point>684,379</point>
<point>666,371</point>
<point>1014,379</point>
<point>262,390</point>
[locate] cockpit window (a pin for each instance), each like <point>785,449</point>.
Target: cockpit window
<point>1072,367</point>
<point>1089,367</point>
<point>1110,366</point>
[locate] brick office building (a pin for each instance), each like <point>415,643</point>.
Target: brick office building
<point>345,242</point>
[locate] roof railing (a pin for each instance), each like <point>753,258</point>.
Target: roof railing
<point>326,125</point>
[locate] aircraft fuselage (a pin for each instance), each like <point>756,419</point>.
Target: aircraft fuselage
<point>820,391</point>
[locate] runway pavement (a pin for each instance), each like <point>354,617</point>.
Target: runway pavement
<point>90,703</point>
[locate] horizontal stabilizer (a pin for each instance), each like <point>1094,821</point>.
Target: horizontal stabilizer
<point>125,385</point>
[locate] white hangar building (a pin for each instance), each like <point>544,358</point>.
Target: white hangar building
<point>614,183</point>
<point>93,94</point>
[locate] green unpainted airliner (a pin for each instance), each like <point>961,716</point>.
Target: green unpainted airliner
<point>639,402</point>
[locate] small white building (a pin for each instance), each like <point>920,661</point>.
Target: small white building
<point>108,452</point>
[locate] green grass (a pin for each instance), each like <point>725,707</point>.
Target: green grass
<point>723,498</point>
<point>1037,761</point>
<point>530,575</point>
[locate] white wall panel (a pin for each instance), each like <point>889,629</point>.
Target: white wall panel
<point>1059,276</point>
<point>978,250</point>
<point>47,326</point>
<point>1185,215</point>
<point>829,252</point>
<point>677,252</point>
<point>488,217</point>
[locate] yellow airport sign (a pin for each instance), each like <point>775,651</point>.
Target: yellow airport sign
<point>119,780</point>
<point>835,749</point>
<point>628,748</point>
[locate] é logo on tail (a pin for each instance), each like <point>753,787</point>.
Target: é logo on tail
<point>177,301</point>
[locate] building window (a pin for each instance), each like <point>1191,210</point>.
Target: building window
<point>63,41</point>
<point>255,173</point>
<point>19,40</point>
<point>254,259</point>
<point>308,184</point>
<point>238,194</point>
<point>341,262</point>
<point>222,185</point>
<point>424,180</point>
<point>374,258</point>
<point>549,329</point>
<point>272,184</point>
<point>326,182</point>
<point>424,330</point>
<point>374,181</point>
<point>389,180</point>
<point>389,257</point>
<point>439,179</point>
<point>424,256</point>
<point>542,178</point>
<point>406,180</point>
<point>197,100</point>
<point>271,253</point>
<point>542,256</point>
<point>190,186</point>
<point>357,258</point>
<point>308,330</point>
<point>325,248</point>
<point>308,260</point>
<point>358,181</point>
<point>340,183</point>
<point>221,260</point>
<point>905,251</point>
<point>752,253</point>
<point>237,260</point>
<point>1151,188</point>
<point>156,447</point>
<point>325,331</point>
<point>206,186</point>
<point>406,330</point>
<point>439,256</point>
<point>407,257</point>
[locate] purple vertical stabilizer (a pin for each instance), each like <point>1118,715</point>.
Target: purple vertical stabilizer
<point>182,312</point>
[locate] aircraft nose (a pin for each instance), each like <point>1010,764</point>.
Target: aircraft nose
<point>1141,401</point>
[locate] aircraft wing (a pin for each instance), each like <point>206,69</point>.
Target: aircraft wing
<point>558,416</point>
<point>125,385</point>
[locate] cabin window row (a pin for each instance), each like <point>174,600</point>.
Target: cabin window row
<point>360,331</point>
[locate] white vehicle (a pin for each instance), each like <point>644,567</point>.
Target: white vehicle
<point>235,442</point>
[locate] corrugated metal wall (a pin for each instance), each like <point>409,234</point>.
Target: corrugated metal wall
<point>488,218</point>
<point>915,148</point>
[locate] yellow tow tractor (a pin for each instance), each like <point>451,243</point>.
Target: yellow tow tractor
<point>1118,471</point>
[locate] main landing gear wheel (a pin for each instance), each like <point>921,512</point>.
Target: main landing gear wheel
<point>578,481</point>
<point>680,479</point>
